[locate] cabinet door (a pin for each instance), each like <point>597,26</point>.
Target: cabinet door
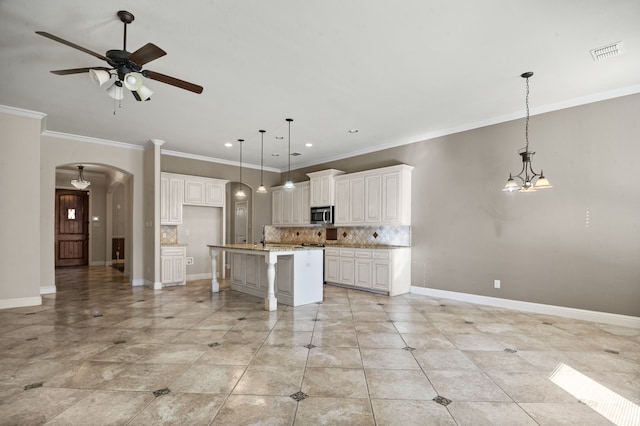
<point>381,275</point>
<point>194,192</point>
<point>356,200</point>
<point>391,197</point>
<point>214,194</point>
<point>276,207</point>
<point>284,276</point>
<point>296,206</point>
<point>362,273</point>
<point>316,192</point>
<point>306,208</point>
<point>287,207</point>
<point>331,269</point>
<point>175,200</point>
<point>166,275</point>
<point>373,192</point>
<point>179,269</point>
<point>342,202</point>
<point>252,272</point>
<point>326,189</point>
<point>238,267</point>
<point>164,200</point>
<point>347,273</point>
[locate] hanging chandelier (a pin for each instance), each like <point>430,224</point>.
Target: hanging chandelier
<point>530,181</point>
<point>80,183</point>
<point>289,184</point>
<point>240,194</point>
<point>261,189</point>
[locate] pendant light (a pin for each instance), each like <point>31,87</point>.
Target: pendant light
<point>531,181</point>
<point>261,188</point>
<point>289,184</point>
<point>80,183</point>
<point>240,193</point>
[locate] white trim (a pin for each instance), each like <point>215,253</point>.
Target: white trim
<point>51,289</point>
<point>139,282</point>
<point>22,112</point>
<point>20,302</point>
<point>90,139</point>
<point>153,285</point>
<point>538,308</point>
<point>216,160</point>
<point>193,277</point>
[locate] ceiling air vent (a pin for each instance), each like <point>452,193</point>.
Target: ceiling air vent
<point>295,154</point>
<point>604,52</point>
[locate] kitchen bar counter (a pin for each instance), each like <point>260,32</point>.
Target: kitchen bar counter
<point>297,280</point>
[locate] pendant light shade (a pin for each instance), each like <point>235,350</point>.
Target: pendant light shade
<point>115,91</point>
<point>530,180</point>
<point>99,76</point>
<point>240,193</point>
<point>289,184</point>
<point>80,183</point>
<point>133,81</point>
<point>261,189</point>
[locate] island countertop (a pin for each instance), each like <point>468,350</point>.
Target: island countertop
<point>267,248</point>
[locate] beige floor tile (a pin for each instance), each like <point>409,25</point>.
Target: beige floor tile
<point>334,411</point>
<point>428,341</point>
<point>256,410</point>
<point>390,412</point>
<point>228,354</point>
<point>335,339</point>
<point>489,414</point>
<point>443,360</point>
<point>218,379</point>
<point>154,336</point>
<point>414,327</point>
<point>145,377</point>
<point>530,387</point>
<point>475,342</point>
<point>289,338</point>
<point>375,327</point>
<point>126,352</point>
<point>37,406</point>
<point>105,408</point>
<point>380,340</point>
<point>399,384</point>
<point>389,359</point>
<point>499,360</point>
<point>334,357</point>
<point>295,356</point>
<point>86,375</point>
<point>267,380</point>
<point>202,337</point>
<point>466,386</point>
<point>175,354</point>
<point>180,409</point>
<point>335,383</point>
<point>559,414</point>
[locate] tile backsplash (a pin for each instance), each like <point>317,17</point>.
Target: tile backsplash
<point>168,234</point>
<point>368,235</point>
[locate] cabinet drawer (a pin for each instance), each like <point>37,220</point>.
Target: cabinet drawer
<point>346,252</point>
<point>332,252</point>
<point>363,254</point>
<point>172,251</point>
<point>381,254</point>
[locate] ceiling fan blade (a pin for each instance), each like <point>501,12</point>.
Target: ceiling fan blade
<point>75,46</point>
<point>78,70</point>
<point>146,53</point>
<point>173,81</point>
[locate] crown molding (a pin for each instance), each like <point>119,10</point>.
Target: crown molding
<point>22,112</point>
<point>89,139</point>
<point>217,160</point>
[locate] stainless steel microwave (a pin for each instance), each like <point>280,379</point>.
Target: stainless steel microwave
<point>322,215</point>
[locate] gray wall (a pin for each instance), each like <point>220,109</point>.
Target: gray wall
<point>466,232</point>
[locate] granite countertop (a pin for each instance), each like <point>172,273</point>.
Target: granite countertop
<point>173,245</point>
<point>365,246</point>
<point>268,247</point>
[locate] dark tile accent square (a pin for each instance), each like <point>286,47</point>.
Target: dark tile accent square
<point>141,300</point>
<point>169,317</point>
<point>442,400</point>
<point>199,301</point>
<point>310,346</point>
<point>98,315</point>
<point>315,319</point>
<point>241,319</point>
<point>409,349</point>
<point>33,386</point>
<point>344,234</point>
<point>299,396</point>
<point>119,342</point>
<point>511,351</point>
<point>213,345</point>
<point>380,304</point>
<point>468,322</point>
<point>390,321</point>
<point>31,339</point>
<point>319,234</point>
<point>375,235</point>
<point>611,351</point>
<point>31,313</point>
<point>161,392</point>
<point>441,305</point>
<point>547,323</point>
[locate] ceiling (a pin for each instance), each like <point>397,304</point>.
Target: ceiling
<point>398,72</point>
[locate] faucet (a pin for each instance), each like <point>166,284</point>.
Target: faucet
<point>264,238</point>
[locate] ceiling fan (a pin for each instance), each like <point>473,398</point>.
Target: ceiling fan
<point>126,66</point>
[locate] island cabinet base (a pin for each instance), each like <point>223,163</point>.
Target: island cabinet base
<point>298,276</point>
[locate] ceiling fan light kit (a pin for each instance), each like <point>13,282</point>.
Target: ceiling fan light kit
<point>126,66</point>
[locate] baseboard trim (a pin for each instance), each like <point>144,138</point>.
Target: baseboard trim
<point>193,277</point>
<point>538,308</point>
<point>20,302</point>
<point>138,282</point>
<point>48,290</point>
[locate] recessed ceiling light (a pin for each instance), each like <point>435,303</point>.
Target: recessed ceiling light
<point>228,144</point>
<point>607,51</point>
<point>279,137</point>
<point>308,144</point>
<point>275,155</point>
<point>296,154</point>
<point>354,131</point>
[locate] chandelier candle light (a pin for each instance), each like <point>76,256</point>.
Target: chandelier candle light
<point>288,184</point>
<point>261,189</point>
<point>531,181</point>
<point>240,193</point>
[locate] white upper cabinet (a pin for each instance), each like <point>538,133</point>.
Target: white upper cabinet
<point>171,187</point>
<point>374,197</point>
<point>290,206</point>
<point>200,191</point>
<point>177,190</point>
<point>323,187</point>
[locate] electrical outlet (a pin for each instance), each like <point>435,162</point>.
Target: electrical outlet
<point>496,283</point>
<point>189,260</point>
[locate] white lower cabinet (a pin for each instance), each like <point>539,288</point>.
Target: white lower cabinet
<point>173,265</point>
<point>381,270</point>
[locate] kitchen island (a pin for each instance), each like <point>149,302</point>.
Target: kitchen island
<point>289,274</point>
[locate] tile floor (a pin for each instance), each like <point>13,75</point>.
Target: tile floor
<point>102,352</point>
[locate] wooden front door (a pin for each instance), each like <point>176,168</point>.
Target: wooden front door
<point>72,228</point>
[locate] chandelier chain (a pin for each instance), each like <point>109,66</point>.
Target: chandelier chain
<point>526,132</point>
